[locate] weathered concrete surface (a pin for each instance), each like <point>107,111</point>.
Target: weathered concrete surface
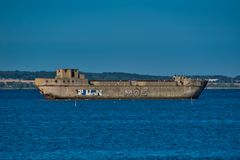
<point>120,92</point>
<point>80,88</point>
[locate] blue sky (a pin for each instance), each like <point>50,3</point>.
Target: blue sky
<point>137,36</point>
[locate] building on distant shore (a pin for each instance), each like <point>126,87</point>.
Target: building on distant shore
<point>213,80</point>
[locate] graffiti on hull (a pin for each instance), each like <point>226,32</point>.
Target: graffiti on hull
<point>89,92</point>
<point>136,92</point>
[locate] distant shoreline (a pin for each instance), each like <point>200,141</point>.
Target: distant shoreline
<point>18,88</point>
<point>213,88</point>
<point>207,88</point>
<point>25,80</point>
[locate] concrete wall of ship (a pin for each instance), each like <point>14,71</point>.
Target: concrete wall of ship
<point>121,92</point>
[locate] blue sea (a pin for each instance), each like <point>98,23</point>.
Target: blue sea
<point>32,127</point>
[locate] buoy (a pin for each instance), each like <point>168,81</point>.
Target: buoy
<point>75,103</point>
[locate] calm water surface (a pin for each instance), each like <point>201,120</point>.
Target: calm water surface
<point>34,128</point>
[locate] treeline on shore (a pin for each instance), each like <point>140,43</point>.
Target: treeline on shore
<point>28,75</point>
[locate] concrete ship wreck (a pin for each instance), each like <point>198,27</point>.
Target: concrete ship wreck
<point>70,84</point>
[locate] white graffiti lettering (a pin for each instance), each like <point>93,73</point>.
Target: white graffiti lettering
<point>89,92</point>
<point>136,92</point>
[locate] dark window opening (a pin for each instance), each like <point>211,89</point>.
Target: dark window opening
<point>72,81</point>
<point>63,81</point>
<point>56,81</point>
<point>72,74</point>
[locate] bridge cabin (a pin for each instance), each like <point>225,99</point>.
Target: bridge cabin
<point>69,74</point>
